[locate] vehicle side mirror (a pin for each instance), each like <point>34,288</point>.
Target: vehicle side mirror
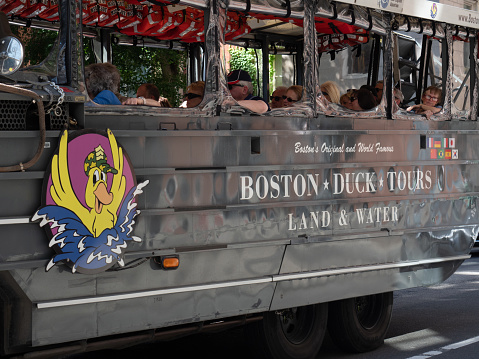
<point>11,49</point>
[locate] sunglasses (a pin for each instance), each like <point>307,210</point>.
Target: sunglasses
<point>191,96</point>
<point>325,94</point>
<point>289,99</point>
<point>277,98</point>
<point>230,87</point>
<point>353,99</point>
<point>428,97</point>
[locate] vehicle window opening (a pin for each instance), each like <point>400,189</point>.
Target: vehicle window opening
<point>424,59</point>
<point>353,40</point>
<point>274,46</point>
<point>461,77</point>
<point>340,27</point>
<point>164,48</point>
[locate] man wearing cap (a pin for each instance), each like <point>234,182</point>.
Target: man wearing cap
<point>241,88</point>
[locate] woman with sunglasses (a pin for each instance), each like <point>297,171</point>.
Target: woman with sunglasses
<point>362,100</point>
<point>278,96</point>
<point>431,99</point>
<point>293,95</point>
<point>330,91</point>
<point>194,94</point>
<point>345,100</point>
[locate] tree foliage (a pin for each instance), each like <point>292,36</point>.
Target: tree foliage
<point>37,43</point>
<point>165,68</point>
<point>251,61</point>
<point>245,59</point>
<point>162,67</point>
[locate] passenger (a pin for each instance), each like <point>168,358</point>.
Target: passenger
<point>194,94</point>
<point>345,100</point>
<point>102,84</point>
<point>148,91</point>
<point>398,96</point>
<point>293,94</point>
<point>331,91</point>
<point>379,90</point>
<point>148,95</point>
<point>241,88</point>
<point>121,98</point>
<point>363,99</point>
<point>431,99</point>
<point>163,101</point>
<point>372,90</point>
<point>278,96</point>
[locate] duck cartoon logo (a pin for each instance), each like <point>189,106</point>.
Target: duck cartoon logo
<point>90,219</point>
<point>433,10</point>
<point>384,3</point>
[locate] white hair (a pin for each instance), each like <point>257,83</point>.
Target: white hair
<point>248,84</point>
<point>398,94</point>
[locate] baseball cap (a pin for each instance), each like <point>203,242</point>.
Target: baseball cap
<point>97,158</point>
<point>237,76</point>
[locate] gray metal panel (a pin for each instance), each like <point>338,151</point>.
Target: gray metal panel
<point>308,291</point>
<point>233,250</point>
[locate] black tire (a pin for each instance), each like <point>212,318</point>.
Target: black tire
<point>360,324</point>
<point>295,333</point>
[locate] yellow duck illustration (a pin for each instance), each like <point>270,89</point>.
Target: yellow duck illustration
<point>103,205</point>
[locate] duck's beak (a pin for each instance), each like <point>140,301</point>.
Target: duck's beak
<point>102,196</point>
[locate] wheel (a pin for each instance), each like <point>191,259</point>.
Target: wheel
<point>360,324</point>
<point>295,333</point>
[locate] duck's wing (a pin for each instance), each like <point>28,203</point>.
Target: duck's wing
<point>61,189</point>
<point>119,182</point>
<point>76,245</point>
<point>128,212</point>
<point>71,234</point>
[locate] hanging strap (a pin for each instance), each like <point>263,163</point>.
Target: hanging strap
<point>248,7</point>
<point>288,8</point>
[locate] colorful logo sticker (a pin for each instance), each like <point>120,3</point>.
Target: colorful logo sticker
<point>384,3</point>
<point>89,202</point>
<point>433,10</point>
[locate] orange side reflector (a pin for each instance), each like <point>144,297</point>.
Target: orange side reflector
<point>171,263</point>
